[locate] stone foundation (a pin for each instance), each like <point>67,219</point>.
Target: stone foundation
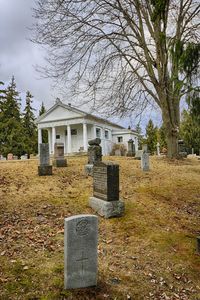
<point>107,209</point>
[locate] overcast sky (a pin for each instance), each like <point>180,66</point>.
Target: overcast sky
<point>19,56</point>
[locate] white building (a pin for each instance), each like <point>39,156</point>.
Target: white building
<point>74,128</point>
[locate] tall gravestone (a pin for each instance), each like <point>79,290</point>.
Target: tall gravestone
<point>145,161</point>
<point>80,251</point>
<point>105,200</point>
<point>59,159</point>
<point>44,168</point>
<point>94,155</point>
<point>131,148</point>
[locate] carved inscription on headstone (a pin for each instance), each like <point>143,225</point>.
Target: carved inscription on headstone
<point>106,181</point>
<point>80,247</point>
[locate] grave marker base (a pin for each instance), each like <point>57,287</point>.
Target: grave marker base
<point>44,170</point>
<point>107,209</point>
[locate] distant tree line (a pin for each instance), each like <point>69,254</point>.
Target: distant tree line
<point>18,131</point>
<point>189,129</point>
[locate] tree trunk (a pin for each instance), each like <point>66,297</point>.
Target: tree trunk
<point>171,120</point>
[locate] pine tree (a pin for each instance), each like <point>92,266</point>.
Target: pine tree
<point>44,132</point>
<point>30,132</point>
<point>139,132</point>
<point>162,137</point>
<point>11,131</point>
<point>151,136</point>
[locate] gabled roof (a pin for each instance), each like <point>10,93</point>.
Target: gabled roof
<point>78,111</point>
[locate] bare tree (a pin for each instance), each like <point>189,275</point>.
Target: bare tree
<point>124,53</point>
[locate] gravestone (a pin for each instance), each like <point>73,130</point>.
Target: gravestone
<point>105,200</point>
<point>10,156</point>
<point>182,150</point>
<point>131,148</point>
<point>94,155</point>
<point>59,159</point>
<point>138,154</point>
<point>158,149</point>
<point>80,251</point>
<point>44,169</point>
<point>118,152</point>
<point>145,161</point>
<point>198,244</point>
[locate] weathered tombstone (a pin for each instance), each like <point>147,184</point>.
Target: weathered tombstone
<point>138,154</point>
<point>80,251</point>
<point>10,156</point>
<point>59,159</point>
<point>44,168</point>
<point>182,149</point>
<point>158,148</point>
<point>131,148</point>
<point>105,200</point>
<point>24,157</point>
<point>15,157</point>
<point>145,161</point>
<point>94,155</point>
<point>118,152</point>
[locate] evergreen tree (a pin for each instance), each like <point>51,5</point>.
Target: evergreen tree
<point>42,109</point>
<point>139,132</point>
<point>151,136</point>
<point>30,129</point>
<point>11,130</point>
<point>44,132</point>
<point>190,130</point>
<point>162,137</point>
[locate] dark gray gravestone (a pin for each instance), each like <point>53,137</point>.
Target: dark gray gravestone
<point>105,200</point>
<point>44,168</point>
<point>80,251</point>
<point>106,181</point>
<point>94,155</point>
<point>198,244</point>
<point>145,161</point>
<point>59,159</point>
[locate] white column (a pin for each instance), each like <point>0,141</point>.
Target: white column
<point>69,139</point>
<point>39,139</point>
<point>49,139</point>
<point>85,138</point>
<point>94,132</point>
<point>53,138</point>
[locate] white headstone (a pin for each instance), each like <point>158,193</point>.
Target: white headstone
<point>145,161</point>
<point>80,249</point>
<point>158,149</point>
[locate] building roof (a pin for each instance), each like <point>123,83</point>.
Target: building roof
<point>76,110</point>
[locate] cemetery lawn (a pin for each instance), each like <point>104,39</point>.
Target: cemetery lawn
<point>150,253</point>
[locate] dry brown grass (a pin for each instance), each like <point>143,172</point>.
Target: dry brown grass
<point>150,253</point>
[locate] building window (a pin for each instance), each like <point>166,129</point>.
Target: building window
<point>73,131</point>
<point>106,134</point>
<point>120,139</point>
<point>98,132</point>
<point>57,136</point>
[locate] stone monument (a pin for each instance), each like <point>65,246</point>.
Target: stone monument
<point>131,148</point>
<point>138,154</point>
<point>145,148</point>
<point>10,156</point>
<point>59,159</point>
<point>44,168</point>
<point>158,148</point>
<point>80,251</point>
<point>94,155</point>
<point>105,200</point>
<point>145,161</point>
